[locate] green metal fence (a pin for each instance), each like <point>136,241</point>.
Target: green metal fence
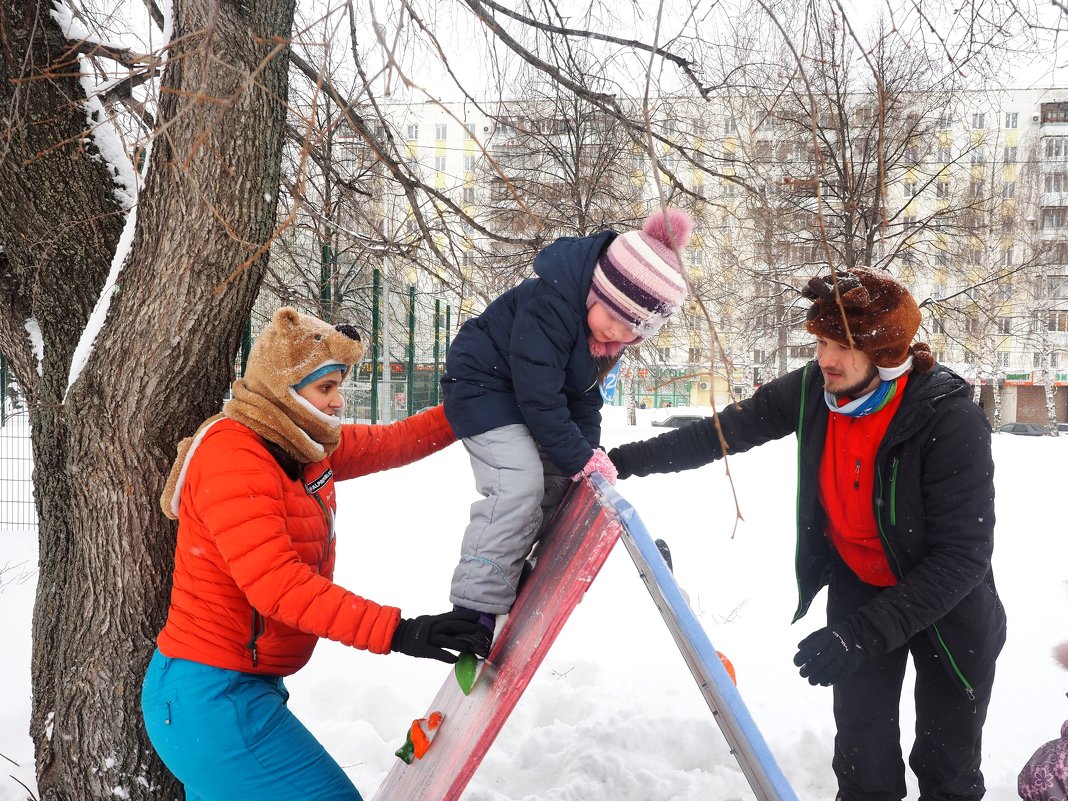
<point>17,508</point>
<point>401,371</point>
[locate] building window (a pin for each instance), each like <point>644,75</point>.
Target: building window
<point>975,190</point>
<point>1054,112</point>
<point>910,189</point>
<point>969,356</point>
<point>1008,190</point>
<point>979,120</point>
<point>695,355</point>
<point>945,155</point>
<point>1056,320</point>
<point>469,163</point>
<point>942,189</point>
<point>978,156</point>
<point>1052,286</point>
<point>971,325</point>
<point>1010,154</point>
<point>1011,119</point>
<point>469,130</point>
<point>759,356</point>
<point>1055,147</point>
<point>439,163</point>
<point>413,131</point>
<point>469,258</point>
<point>1054,219</point>
<point>945,121</point>
<point>469,194</point>
<point>1055,182</point>
<point>1004,325</point>
<point>441,131</point>
<point>1007,256</point>
<point>801,351</point>
<point>664,354</point>
<point>1041,360</point>
<point>941,259</point>
<point>1003,358</point>
<point>730,126</point>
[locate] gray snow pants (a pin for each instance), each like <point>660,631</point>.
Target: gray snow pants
<point>520,487</point>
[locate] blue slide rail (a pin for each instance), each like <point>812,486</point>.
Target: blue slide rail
<point>742,735</point>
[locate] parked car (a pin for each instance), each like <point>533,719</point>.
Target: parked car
<point>1024,429</point>
<point>676,420</point>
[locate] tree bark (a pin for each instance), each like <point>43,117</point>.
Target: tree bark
<point>160,364</point>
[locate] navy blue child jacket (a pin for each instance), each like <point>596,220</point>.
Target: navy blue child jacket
<point>526,359</point>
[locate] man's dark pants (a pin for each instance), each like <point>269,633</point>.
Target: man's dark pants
<point>949,725</point>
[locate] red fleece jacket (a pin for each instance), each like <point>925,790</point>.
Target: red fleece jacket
<point>847,484</point>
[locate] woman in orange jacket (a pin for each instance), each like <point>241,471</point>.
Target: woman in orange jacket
<point>253,493</point>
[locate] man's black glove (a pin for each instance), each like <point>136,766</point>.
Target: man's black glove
<point>621,471</point>
<point>428,636</point>
<point>830,654</point>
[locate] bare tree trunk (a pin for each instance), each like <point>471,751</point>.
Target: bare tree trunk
<point>160,364</point>
<point>997,400</point>
<point>1048,377</point>
<point>60,226</point>
<point>632,404</point>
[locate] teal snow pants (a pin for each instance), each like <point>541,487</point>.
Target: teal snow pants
<point>229,736</point>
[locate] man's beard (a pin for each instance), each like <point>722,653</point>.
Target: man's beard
<point>861,387</point>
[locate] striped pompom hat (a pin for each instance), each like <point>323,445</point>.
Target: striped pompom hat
<point>638,278</point>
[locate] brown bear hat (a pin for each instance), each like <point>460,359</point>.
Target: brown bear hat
<point>881,314</point>
<point>292,351</point>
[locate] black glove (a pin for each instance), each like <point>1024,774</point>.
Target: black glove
<point>428,636</point>
<point>829,655</point>
<point>622,468</point>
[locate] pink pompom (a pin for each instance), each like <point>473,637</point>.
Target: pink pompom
<point>681,226</point>
<point>1060,653</point>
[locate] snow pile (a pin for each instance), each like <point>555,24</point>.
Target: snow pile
<point>614,713</point>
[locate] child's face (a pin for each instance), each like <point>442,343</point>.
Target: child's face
<point>325,394</point>
<point>606,328</point>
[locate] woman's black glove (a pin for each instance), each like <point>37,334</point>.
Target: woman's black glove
<point>428,636</point>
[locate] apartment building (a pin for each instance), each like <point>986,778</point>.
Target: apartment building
<point>964,198</point>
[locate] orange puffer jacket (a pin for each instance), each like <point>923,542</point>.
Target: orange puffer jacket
<point>255,556</point>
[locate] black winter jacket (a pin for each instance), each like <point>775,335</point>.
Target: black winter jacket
<point>933,502</point>
<point>526,358</point>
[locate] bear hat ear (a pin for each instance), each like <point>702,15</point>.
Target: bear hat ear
<point>286,317</point>
<point>857,297</point>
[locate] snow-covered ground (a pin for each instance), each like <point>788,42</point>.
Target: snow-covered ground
<point>613,713</point>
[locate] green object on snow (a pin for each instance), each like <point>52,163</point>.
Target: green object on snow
<point>466,670</point>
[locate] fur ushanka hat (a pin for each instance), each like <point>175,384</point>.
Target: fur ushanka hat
<point>882,315</point>
<point>292,351</point>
